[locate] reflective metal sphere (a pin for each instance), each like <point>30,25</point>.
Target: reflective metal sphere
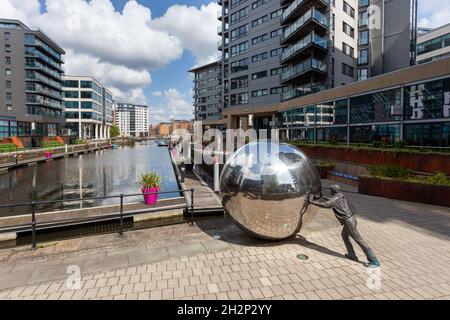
<point>263,188</point>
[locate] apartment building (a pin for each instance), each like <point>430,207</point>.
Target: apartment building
<point>434,44</point>
<point>88,107</point>
<point>132,120</point>
<point>207,92</point>
<point>387,35</point>
<point>277,50</point>
<point>31,74</point>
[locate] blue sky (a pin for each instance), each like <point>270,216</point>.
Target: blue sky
<point>145,58</point>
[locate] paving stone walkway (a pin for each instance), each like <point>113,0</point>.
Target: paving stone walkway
<point>184,262</point>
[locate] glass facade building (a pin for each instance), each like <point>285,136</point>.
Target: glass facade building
<point>418,114</point>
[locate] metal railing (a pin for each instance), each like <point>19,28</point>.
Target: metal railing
<point>34,226</point>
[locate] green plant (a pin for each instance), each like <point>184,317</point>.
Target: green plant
<point>393,172</point>
<point>326,163</point>
<point>80,141</point>
<point>8,147</point>
<point>377,144</point>
<point>51,144</point>
<point>150,180</point>
<point>114,132</point>
<point>400,145</point>
<point>438,179</point>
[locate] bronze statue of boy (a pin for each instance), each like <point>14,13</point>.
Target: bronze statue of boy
<point>345,213</point>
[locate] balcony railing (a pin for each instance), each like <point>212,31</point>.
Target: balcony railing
<point>312,14</point>
<point>302,91</point>
<point>294,6</point>
<point>300,68</point>
<point>311,38</point>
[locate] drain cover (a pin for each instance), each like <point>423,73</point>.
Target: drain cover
<point>302,257</point>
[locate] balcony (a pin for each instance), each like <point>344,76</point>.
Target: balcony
<point>312,20</point>
<point>222,46</point>
<point>34,99</point>
<point>297,8</point>
<point>222,14</point>
<point>301,69</point>
<point>302,91</point>
<point>34,76</point>
<point>310,41</point>
<point>36,88</point>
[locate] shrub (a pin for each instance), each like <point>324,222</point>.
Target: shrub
<point>51,144</point>
<point>439,179</point>
<point>377,144</point>
<point>150,180</point>
<point>80,141</point>
<point>400,145</point>
<point>8,147</point>
<point>393,172</point>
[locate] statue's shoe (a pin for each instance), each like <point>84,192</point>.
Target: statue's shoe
<point>350,257</point>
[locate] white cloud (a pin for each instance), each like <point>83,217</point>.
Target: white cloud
<point>157,94</point>
<point>120,49</point>
<point>196,29</point>
<point>174,106</point>
<point>434,13</point>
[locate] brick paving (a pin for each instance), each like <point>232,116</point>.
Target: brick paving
<point>411,240</point>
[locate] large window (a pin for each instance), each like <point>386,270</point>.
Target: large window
<point>348,9</point>
<point>363,38</point>
<point>239,32</point>
<point>240,98</point>
<point>387,134</point>
<point>363,56</point>
<point>240,65</point>
<point>375,107</point>
<point>241,82</point>
<point>239,49</point>
<point>70,83</point>
<point>240,15</point>
<point>431,135</point>
<point>428,100</point>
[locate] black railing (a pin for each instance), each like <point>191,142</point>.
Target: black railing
<point>34,226</point>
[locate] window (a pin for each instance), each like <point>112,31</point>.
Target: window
<point>9,107</point>
<point>279,90</point>
<point>259,75</point>
<point>7,36</point>
<point>363,74</point>
<point>259,21</point>
<point>8,60</point>
<point>71,94</point>
<point>241,82</point>
<point>7,48</point>
<point>240,98</point>
<point>240,65</point>
<point>70,83</point>
<point>348,30</point>
<point>259,39</point>
<point>8,96</point>
<point>259,3</point>
<point>363,38</point>
<point>8,84</point>
<point>363,3</point>
<point>348,70</point>
<point>349,10</point>
<point>86,84</point>
<point>276,52</point>
<point>276,33</point>
<point>260,57</point>
<point>8,72</point>
<point>277,71</point>
<point>239,49</point>
<point>363,19</point>
<point>348,50</point>
<point>238,16</point>
<point>86,94</point>
<point>239,32</point>
<point>259,93</point>
<point>276,14</point>
<point>363,56</point>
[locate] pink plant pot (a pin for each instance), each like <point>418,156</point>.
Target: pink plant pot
<point>48,155</point>
<point>150,198</point>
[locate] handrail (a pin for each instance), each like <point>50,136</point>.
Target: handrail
<point>121,215</point>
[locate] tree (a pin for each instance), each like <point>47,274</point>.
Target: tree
<point>114,132</point>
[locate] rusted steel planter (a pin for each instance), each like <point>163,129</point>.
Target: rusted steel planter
<point>324,170</point>
<point>428,163</point>
<point>406,191</point>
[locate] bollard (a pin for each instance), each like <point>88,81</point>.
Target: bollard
<point>66,148</point>
<point>121,215</point>
<point>216,175</point>
<point>33,225</point>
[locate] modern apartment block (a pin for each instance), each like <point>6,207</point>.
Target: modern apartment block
<point>208,92</point>
<point>132,120</point>
<point>30,77</point>
<point>88,107</point>
<point>434,44</point>
<point>277,50</point>
<point>387,35</point>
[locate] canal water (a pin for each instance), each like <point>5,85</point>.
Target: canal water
<point>104,173</point>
